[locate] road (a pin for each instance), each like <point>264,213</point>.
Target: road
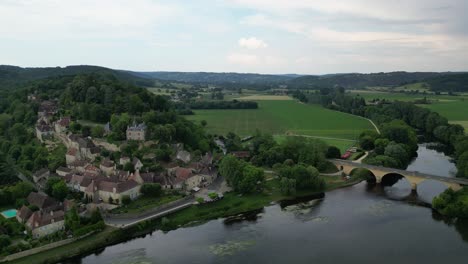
<point>126,222</point>
<point>218,185</point>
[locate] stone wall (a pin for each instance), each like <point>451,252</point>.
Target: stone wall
<point>108,146</point>
<point>36,250</point>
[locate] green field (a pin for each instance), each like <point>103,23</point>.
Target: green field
<point>342,144</point>
<point>455,111</point>
<point>454,108</point>
<point>369,95</point>
<point>284,117</point>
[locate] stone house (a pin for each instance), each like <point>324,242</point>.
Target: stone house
<point>107,166</point>
<point>124,160</point>
<point>63,171</point>
<point>71,155</point>
<point>49,217</point>
<point>45,223</point>
<point>43,131</point>
<point>183,156</point>
<point>61,126</point>
<point>136,132</point>
<point>137,164</point>
<point>177,177</point>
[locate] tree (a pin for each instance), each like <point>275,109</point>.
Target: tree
<point>366,142</point>
<point>333,153</point>
<point>5,241</point>
<point>97,131</point>
<point>60,190</point>
<point>398,152</point>
<point>151,189</point>
<point>252,179</point>
<point>203,123</point>
<point>96,216</point>
<point>50,184</point>
<point>72,219</point>
<point>126,200</point>
<point>380,144</point>
<point>288,186</point>
<point>231,169</point>
<point>129,167</point>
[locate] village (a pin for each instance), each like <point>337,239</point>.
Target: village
<point>105,182</point>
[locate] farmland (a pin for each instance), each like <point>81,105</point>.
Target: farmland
<point>283,117</point>
<point>454,108</point>
<point>455,111</point>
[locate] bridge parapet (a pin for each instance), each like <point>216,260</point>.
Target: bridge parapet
<point>413,177</point>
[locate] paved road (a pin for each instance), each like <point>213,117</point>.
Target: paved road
<point>361,158</point>
<point>217,186</point>
<point>126,222</point>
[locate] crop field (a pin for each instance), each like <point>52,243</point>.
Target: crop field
<point>455,111</point>
<point>342,144</point>
<point>284,117</point>
<point>369,95</point>
<point>454,108</point>
<point>265,98</point>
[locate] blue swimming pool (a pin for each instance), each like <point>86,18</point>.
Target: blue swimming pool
<point>9,213</point>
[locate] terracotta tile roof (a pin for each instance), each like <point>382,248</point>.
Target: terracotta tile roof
<point>39,218</point>
<point>42,201</point>
<point>107,163</point>
<point>64,169</point>
<point>72,151</point>
<point>182,174</point>
<point>64,121</point>
<point>24,213</point>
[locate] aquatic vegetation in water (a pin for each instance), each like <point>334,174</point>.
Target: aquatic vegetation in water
<point>136,256</point>
<point>380,208</point>
<point>230,247</point>
<point>302,208</point>
<point>322,219</point>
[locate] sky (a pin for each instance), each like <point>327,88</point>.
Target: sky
<point>262,36</point>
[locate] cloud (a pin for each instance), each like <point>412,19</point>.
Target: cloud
<point>252,43</point>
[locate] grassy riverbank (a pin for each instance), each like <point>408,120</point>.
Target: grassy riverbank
<point>232,204</point>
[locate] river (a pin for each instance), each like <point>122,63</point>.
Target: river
<point>359,224</point>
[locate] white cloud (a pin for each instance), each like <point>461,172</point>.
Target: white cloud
<point>252,43</point>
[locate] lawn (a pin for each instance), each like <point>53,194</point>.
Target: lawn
<point>144,203</point>
<point>342,144</point>
<point>453,111</point>
<point>283,117</point>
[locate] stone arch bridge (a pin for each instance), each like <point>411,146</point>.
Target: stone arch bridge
<point>413,177</point>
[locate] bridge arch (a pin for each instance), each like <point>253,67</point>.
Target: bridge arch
<point>366,174</point>
<point>396,185</point>
<point>391,178</point>
<point>430,188</point>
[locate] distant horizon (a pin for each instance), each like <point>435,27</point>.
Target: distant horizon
<point>220,72</point>
<point>259,36</point>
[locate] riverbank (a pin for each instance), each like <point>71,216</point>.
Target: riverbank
<point>232,204</point>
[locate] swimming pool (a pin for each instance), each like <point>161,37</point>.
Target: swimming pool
<point>9,213</point>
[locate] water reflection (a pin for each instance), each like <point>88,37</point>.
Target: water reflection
<point>358,224</point>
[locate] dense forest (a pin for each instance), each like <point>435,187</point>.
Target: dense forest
<point>360,80</point>
<point>453,83</point>
<point>216,78</point>
<point>13,76</point>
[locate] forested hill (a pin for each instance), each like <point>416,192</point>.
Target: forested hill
<point>454,83</point>
<point>359,80</point>
<point>217,78</point>
<point>12,76</point>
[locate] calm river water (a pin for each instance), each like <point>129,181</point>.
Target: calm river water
<point>359,224</point>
